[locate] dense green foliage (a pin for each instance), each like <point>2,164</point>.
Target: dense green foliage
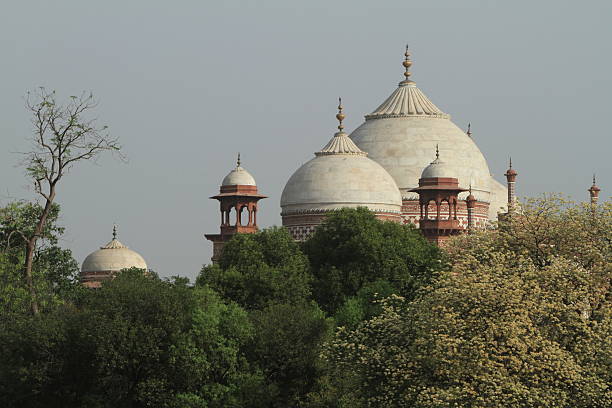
<point>523,319</point>
<point>137,342</point>
<point>256,270</point>
<point>269,276</point>
<point>55,271</point>
<point>353,249</point>
<point>363,314</point>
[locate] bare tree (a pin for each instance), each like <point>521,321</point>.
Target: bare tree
<point>62,136</point>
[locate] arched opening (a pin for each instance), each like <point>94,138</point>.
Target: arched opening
<point>431,210</point>
<point>232,216</point>
<point>445,210</point>
<point>244,215</point>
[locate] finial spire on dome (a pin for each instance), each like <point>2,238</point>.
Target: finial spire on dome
<point>114,243</point>
<point>340,116</point>
<point>469,130</point>
<point>437,152</point>
<point>594,179</point>
<point>238,161</point>
<point>407,63</point>
<point>340,143</point>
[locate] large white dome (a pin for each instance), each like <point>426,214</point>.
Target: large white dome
<point>402,133</point>
<point>112,257</point>
<point>340,176</point>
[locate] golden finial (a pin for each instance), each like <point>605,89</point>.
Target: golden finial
<point>407,64</point>
<point>593,178</point>
<point>510,161</point>
<point>114,231</point>
<point>469,130</point>
<point>238,161</point>
<point>437,152</point>
<point>340,116</point>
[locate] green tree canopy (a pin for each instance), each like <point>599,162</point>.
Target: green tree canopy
<point>55,272</point>
<point>268,275</point>
<point>138,341</point>
<point>514,323</point>
<point>286,346</point>
<point>352,249</point>
<point>256,270</point>
<point>489,337</point>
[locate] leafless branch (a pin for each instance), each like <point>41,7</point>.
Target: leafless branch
<point>63,136</point>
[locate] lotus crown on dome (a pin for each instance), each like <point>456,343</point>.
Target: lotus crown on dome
<point>113,244</point>
<point>407,100</point>
<point>341,144</point>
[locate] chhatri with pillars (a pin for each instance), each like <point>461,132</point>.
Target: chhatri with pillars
<point>238,199</point>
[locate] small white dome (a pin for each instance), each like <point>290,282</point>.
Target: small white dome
<point>112,257</point>
<point>340,176</point>
<point>437,168</point>
<point>239,177</point>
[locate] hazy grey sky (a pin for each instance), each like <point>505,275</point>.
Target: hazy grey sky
<point>188,84</point>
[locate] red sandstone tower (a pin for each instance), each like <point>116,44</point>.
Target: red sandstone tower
<point>594,192</point>
<point>511,179</point>
<point>238,198</point>
<point>436,185</point>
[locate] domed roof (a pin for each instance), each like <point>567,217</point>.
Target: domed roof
<point>340,175</point>
<point>405,128</point>
<point>238,177</point>
<point>437,168</point>
<point>113,257</point>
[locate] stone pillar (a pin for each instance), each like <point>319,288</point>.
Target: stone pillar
<point>594,192</point>
<point>471,203</point>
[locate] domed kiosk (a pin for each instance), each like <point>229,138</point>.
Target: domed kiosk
<point>438,194</point>
<point>340,175</point>
<point>401,133</point>
<point>102,264</point>
<point>238,202</point>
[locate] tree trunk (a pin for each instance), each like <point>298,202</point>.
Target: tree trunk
<point>31,247</point>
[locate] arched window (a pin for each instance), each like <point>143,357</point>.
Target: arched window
<point>432,210</point>
<point>445,210</point>
<point>244,215</point>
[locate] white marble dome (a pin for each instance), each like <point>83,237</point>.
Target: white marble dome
<point>404,130</point>
<point>112,257</point>
<point>437,168</point>
<point>340,175</point>
<point>238,177</point>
